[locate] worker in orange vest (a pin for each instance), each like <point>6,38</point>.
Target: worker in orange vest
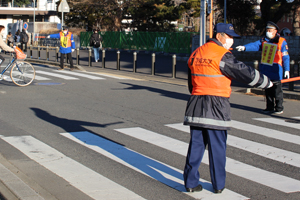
<point>67,46</point>
<point>275,63</point>
<point>211,69</point>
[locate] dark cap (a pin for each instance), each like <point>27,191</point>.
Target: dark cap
<point>65,28</point>
<point>225,28</point>
<point>272,25</point>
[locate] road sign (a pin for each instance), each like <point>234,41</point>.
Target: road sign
<point>63,6</point>
<point>25,25</point>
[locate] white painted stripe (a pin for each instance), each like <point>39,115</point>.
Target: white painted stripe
<point>266,151</point>
<point>6,78</point>
<point>41,78</point>
<point>271,133</point>
<point>107,75</point>
<point>56,75</point>
<point>280,122</point>
<point>81,75</point>
<point>145,165</point>
<point>270,179</point>
<point>88,181</point>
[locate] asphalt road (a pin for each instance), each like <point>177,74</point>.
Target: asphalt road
<point>114,135</point>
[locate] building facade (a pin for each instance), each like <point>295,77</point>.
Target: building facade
<point>13,15</point>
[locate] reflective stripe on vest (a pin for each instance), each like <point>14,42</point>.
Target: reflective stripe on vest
<point>65,41</point>
<point>207,78</point>
<point>278,54</point>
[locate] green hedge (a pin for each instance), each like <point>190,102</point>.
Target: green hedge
<point>168,42</point>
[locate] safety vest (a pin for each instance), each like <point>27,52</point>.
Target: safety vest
<point>207,78</point>
<point>65,41</point>
<point>278,54</point>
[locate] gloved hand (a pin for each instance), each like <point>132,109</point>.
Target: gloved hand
<point>240,48</point>
<point>270,85</point>
<point>48,36</point>
<point>73,50</point>
<point>287,74</point>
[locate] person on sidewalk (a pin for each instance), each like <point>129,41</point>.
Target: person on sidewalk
<point>274,60</point>
<point>24,40</point>
<point>96,43</point>
<point>10,39</point>
<point>67,46</point>
<point>211,69</point>
<point>3,45</point>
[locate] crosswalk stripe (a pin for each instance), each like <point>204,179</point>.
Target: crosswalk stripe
<point>271,133</point>
<point>143,164</point>
<point>6,78</point>
<point>107,75</point>
<point>40,78</point>
<point>276,181</point>
<point>280,122</point>
<point>82,75</point>
<point>56,75</point>
<point>88,181</point>
<point>266,151</point>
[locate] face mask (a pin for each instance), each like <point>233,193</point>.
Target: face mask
<point>65,32</point>
<point>269,35</point>
<point>228,43</point>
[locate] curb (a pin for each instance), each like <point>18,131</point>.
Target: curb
<point>12,187</point>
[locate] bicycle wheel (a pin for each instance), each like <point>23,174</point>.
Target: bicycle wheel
<point>22,73</point>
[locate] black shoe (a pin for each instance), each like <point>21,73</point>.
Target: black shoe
<point>267,111</point>
<point>219,191</point>
<point>198,188</point>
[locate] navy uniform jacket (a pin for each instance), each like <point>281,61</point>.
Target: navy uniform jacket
<point>213,112</point>
<point>274,72</point>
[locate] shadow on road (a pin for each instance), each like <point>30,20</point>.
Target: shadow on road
<point>69,125</point>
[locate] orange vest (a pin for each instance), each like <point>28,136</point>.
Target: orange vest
<point>65,41</point>
<point>207,78</point>
<point>278,54</point>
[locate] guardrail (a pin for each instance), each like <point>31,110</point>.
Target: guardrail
<point>294,65</point>
<point>90,58</point>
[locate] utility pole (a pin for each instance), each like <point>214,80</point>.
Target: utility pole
<point>225,11</point>
<point>210,10</point>
<point>202,21</point>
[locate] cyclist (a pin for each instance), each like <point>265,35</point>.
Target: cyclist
<point>3,45</point>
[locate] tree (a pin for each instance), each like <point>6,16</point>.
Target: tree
<point>240,14</point>
<point>273,10</point>
<point>20,3</point>
<point>152,15</point>
<point>93,13</point>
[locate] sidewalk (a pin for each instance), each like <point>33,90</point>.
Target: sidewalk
<point>12,187</point>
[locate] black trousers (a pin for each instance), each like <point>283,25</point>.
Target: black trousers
<point>62,57</point>
<point>274,97</point>
<point>24,46</point>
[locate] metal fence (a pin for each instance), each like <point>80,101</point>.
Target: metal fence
<point>168,42</point>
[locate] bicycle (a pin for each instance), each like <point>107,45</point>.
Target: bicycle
<point>22,73</point>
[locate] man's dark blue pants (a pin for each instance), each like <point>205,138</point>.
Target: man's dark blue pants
<point>216,141</point>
